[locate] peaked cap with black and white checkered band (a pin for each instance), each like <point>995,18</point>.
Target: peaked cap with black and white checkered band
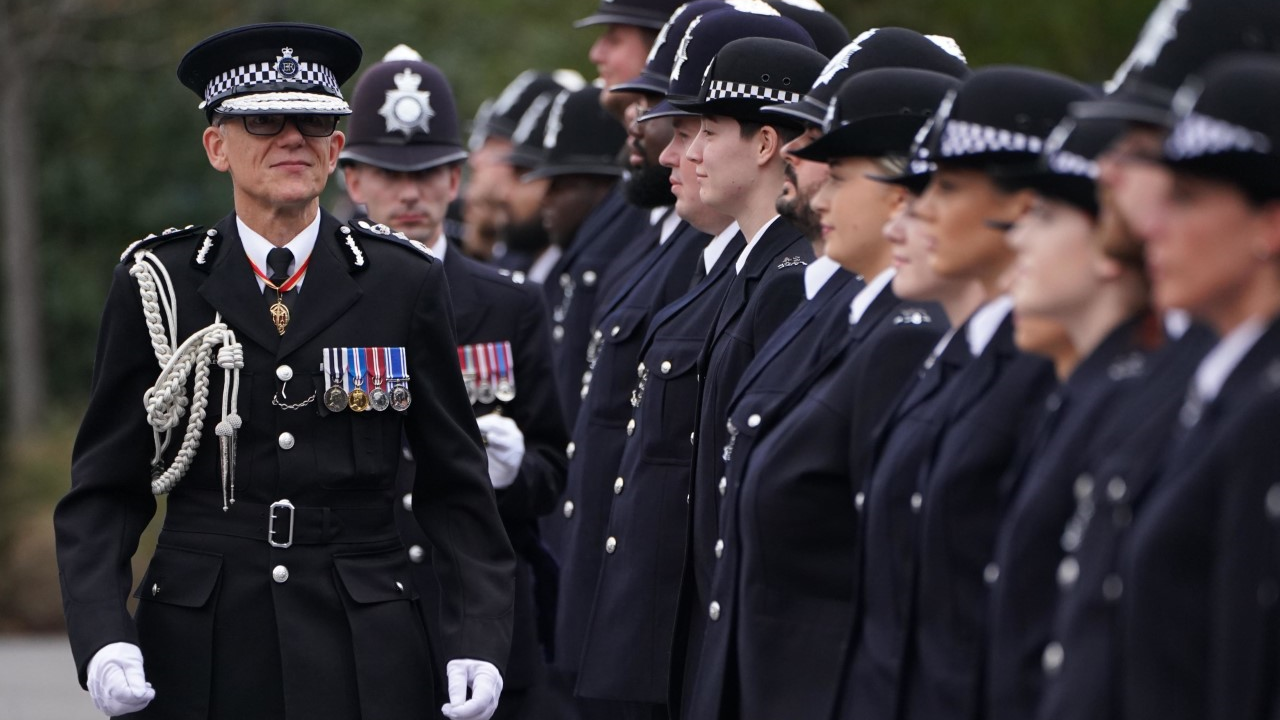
<point>1179,38</point>
<point>1000,117</point>
<point>1228,125</point>
<point>272,68</point>
<point>879,112</point>
<point>752,72</point>
<point>1067,169</point>
<point>876,48</point>
<point>706,35</point>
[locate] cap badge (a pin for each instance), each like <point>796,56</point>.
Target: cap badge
<point>1161,28</point>
<point>755,7</point>
<point>841,60</point>
<point>555,121</point>
<point>286,64</point>
<point>829,122</point>
<point>682,52</point>
<point>407,108</point>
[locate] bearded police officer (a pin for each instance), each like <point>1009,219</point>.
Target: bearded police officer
<point>403,163</point>
<point>279,588</point>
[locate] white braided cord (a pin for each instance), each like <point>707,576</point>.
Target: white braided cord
<point>166,401</point>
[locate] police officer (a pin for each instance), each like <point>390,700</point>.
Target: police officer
<point>622,48</point>
<point>588,217</point>
<point>402,162</point>
<point>1084,679</point>
<point>782,592</point>
<point>279,587</point>
<point>502,223</point>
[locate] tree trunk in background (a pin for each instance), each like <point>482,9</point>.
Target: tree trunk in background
<point>23,386</point>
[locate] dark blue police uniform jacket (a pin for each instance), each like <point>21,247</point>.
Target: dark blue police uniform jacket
<point>1088,616</point>
<point>656,279</point>
<point>962,495</point>
<point>491,308</point>
<point>1030,560</point>
<point>782,595</point>
<point>1167,568</point>
<point>871,679</point>
<point>573,286</point>
<point>1244,650</point>
<point>628,635</point>
<point>766,291</point>
<point>230,625</point>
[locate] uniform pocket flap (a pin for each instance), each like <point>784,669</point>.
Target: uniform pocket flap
<point>374,578</point>
<point>673,359</point>
<point>622,324</point>
<point>177,576</point>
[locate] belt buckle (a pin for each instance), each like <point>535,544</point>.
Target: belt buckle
<point>271,524</point>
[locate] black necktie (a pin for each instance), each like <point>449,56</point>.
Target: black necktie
<point>278,260</point>
<point>700,272</point>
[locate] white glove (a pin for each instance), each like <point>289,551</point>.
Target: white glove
<point>116,682</point>
<point>486,685</point>
<point>505,445</point>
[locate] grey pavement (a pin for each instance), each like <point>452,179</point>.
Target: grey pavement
<point>38,680</point>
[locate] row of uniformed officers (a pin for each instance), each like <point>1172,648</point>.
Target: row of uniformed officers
<point>860,383</point>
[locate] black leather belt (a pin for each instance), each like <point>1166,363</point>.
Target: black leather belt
<point>282,524</point>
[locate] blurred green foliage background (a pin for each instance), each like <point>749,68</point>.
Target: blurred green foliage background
<point>117,155</point>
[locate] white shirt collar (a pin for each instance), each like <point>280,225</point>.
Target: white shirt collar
<point>440,246</point>
<point>986,321</point>
<point>869,293</point>
<point>1222,360</point>
<point>1176,323</point>
<point>668,228</point>
<point>257,247</point>
<point>817,273</point>
<point>714,249</point>
<point>541,267</point>
<point>742,257</point>
<point>656,214</point>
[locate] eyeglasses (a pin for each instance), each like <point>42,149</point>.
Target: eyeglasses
<point>308,125</point>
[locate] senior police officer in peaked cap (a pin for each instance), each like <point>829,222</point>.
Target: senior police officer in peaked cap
<point>282,357</point>
<point>403,162</point>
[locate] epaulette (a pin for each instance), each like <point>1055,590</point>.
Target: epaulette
<point>794,261</point>
<point>155,239</point>
<point>378,231</point>
<point>518,277</point>
<point>912,316</point>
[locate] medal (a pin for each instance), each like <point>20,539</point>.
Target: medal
<point>484,390</point>
<point>357,399</point>
<point>378,399</point>
<point>400,397</point>
<point>279,311</point>
<point>335,398</point>
<point>466,362</point>
<point>506,374</point>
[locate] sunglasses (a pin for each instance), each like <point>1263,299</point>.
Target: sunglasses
<point>308,125</point>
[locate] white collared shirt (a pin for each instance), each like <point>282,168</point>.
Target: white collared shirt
<point>440,246</point>
<point>746,252</point>
<point>1222,360</point>
<point>668,227</point>
<point>986,321</point>
<point>869,293</point>
<point>817,273</point>
<point>541,267</point>
<point>714,249</point>
<point>257,247</point>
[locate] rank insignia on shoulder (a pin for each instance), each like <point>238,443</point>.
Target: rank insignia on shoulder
<point>1129,366</point>
<point>369,378</point>
<point>382,232</point>
<point>165,235</point>
<point>488,371</point>
<point>912,316</point>
<point>795,261</point>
